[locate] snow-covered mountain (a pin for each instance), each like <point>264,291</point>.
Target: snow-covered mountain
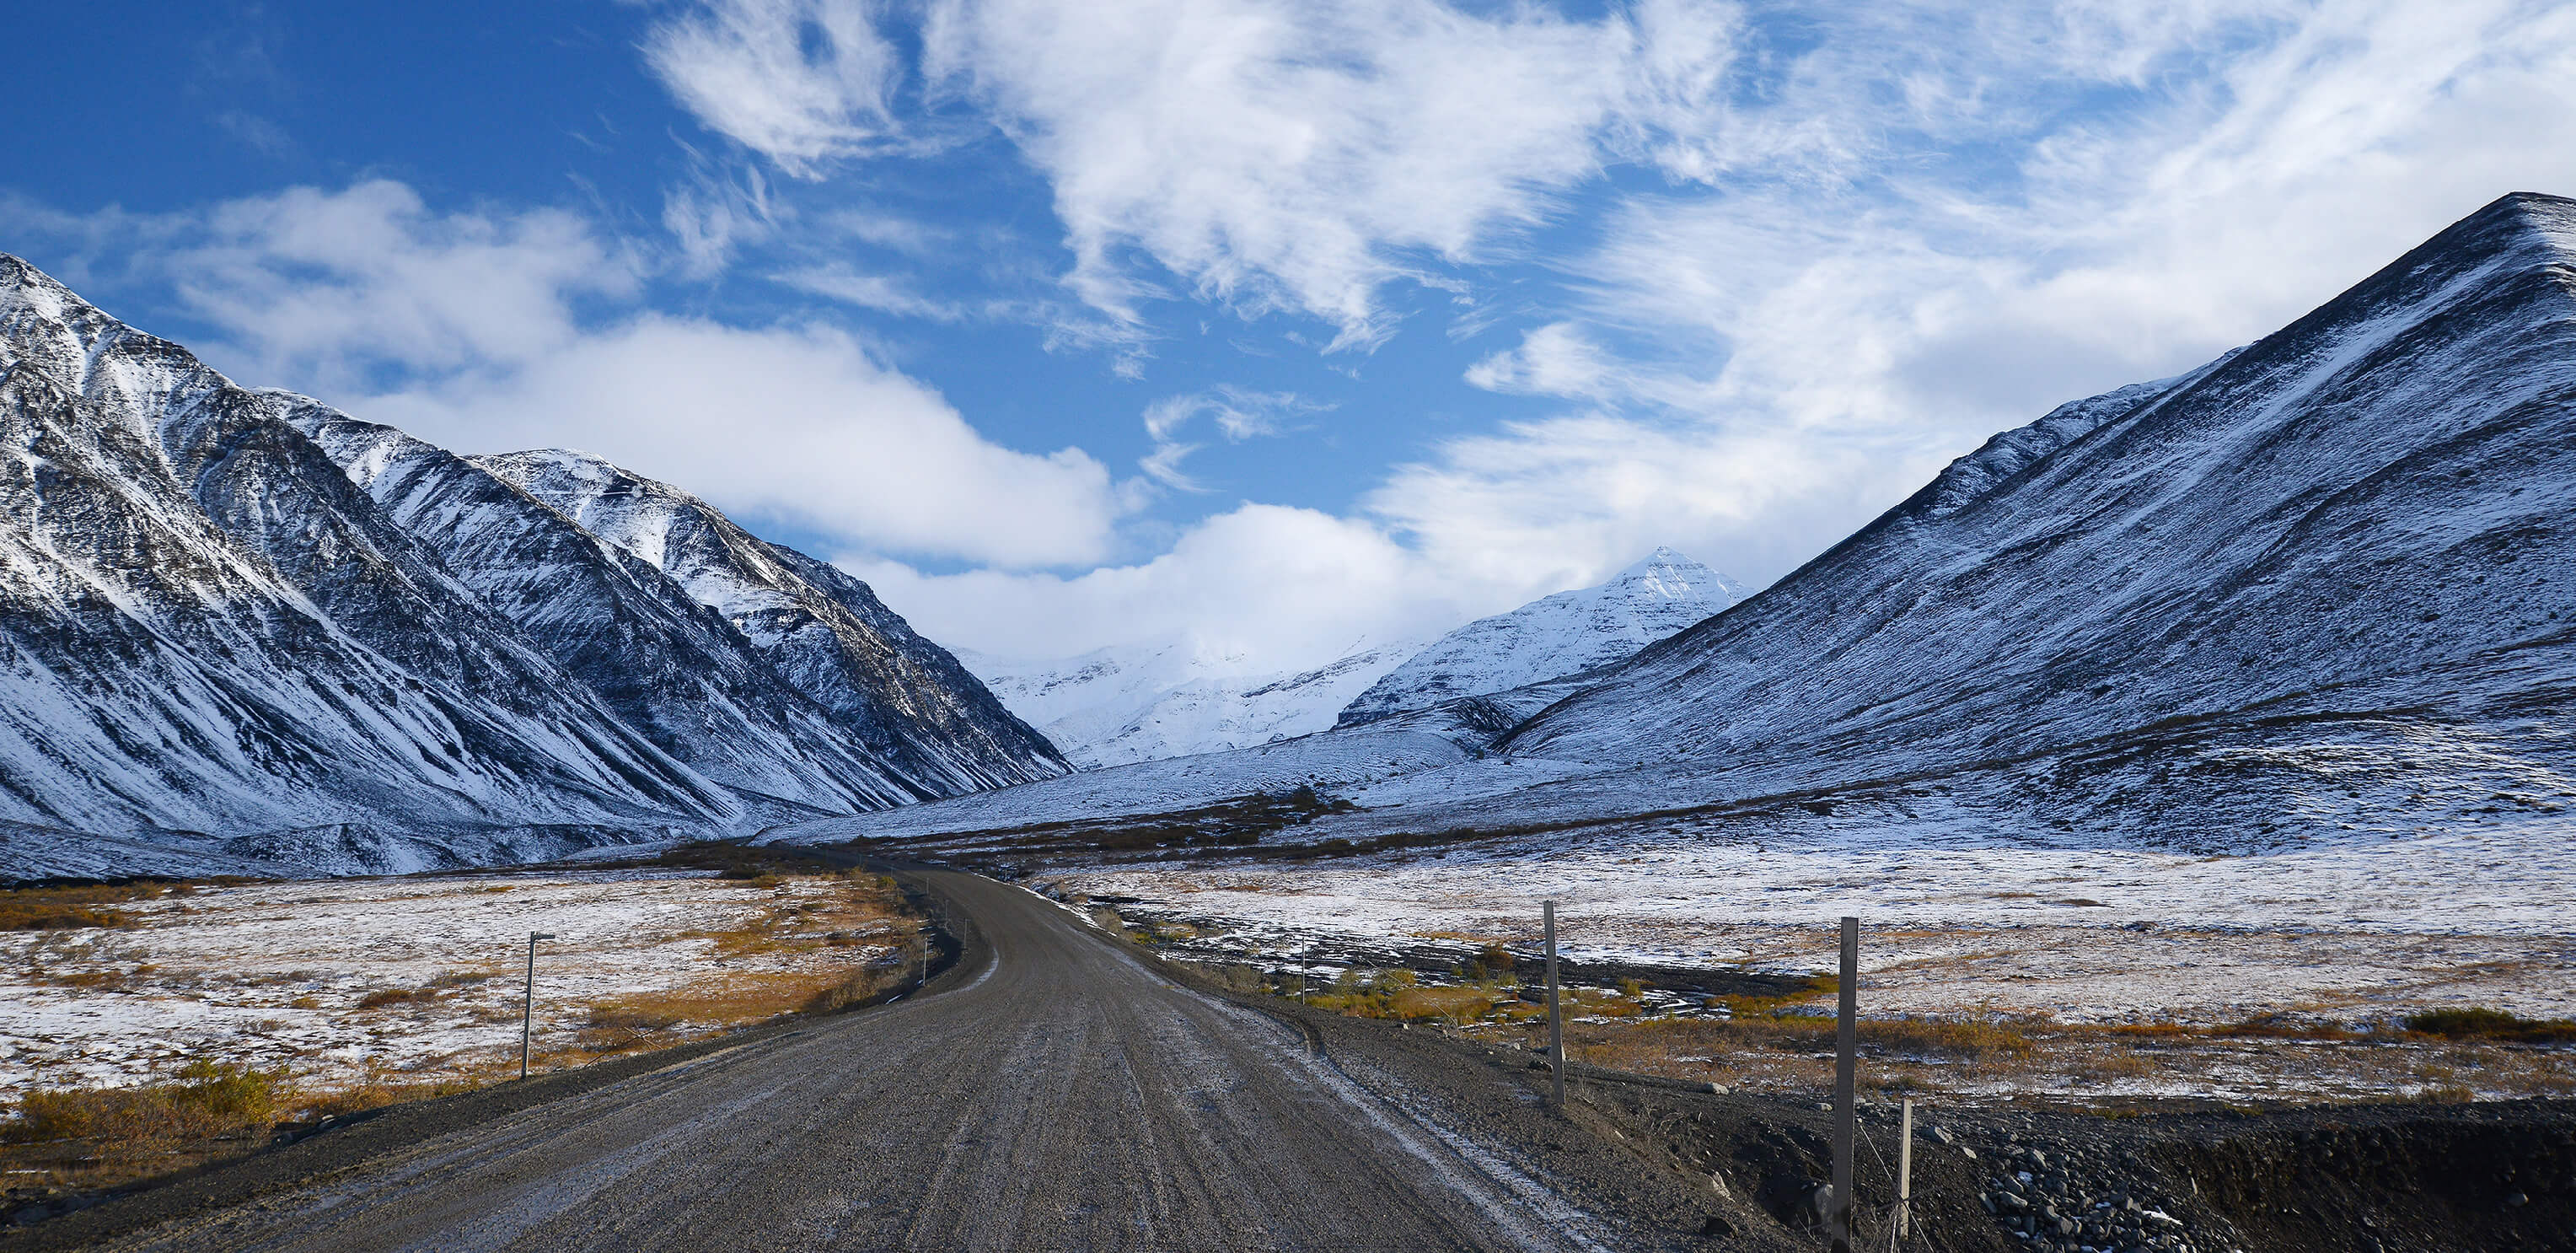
<point>1119,705</point>
<point>900,698</point>
<point>217,639</point>
<point>1552,637</point>
<point>2366,512</point>
<point>2322,588</point>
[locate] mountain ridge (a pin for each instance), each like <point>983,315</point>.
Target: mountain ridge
<point>209,624</point>
<point>2465,340</point>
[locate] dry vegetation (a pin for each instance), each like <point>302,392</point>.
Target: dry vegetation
<point>71,908</point>
<point>816,941</point>
<point>1784,1044</point>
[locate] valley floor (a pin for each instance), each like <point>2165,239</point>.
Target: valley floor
<point>399,981</point>
<point>2117,972</point>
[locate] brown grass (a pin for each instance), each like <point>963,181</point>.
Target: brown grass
<point>2491,1024</point>
<point>396,996</point>
<point>1455,1004</point>
<point>70,908</point>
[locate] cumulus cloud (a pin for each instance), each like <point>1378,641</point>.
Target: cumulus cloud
<point>799,424</point>
<point>333,287</point>
<point>475,331</point>
<point>1289,587</point>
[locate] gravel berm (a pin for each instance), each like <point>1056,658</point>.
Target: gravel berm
<point>1054,1089</point>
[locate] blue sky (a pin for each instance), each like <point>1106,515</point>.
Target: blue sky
<point>1273,327</point>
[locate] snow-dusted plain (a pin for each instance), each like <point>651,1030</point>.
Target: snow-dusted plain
<point>1960,923</point>
<point>273,974</point>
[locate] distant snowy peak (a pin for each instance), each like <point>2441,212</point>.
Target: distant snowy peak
<point>1113,706</point>
<point>1552,637</point>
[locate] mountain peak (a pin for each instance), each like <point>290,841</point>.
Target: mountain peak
<point>1669,575</point>
<point>1553,637</point>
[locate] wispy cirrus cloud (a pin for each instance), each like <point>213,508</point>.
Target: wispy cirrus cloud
<point>1297,157</point>
<point>1237,413</point>
<point>802,82</point>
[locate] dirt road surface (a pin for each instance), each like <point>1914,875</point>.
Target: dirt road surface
<point>1061,1095</point>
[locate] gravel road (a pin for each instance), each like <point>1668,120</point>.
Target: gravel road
<point>1061,1095</point>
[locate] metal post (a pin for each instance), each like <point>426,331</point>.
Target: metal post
<point>1838,1214</point>
<point>1555,1014</point>
<point>528,1005</point>
<point>1905,1170</point>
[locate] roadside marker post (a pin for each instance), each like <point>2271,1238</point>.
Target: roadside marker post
<point>1555,1014</point>
<point>528,1005</point>
<point>1905,1171</point>
<point>1838,1211</point>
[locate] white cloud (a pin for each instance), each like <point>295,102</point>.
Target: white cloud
<point>881,292</point>
<point>1297,156</point>
<point>467,329</point>
<point>799,424</point>
<point>326,287</point>
<point>1291,587</point>
<point>1238,413</point>
<point>799,81</point>
<point>1562,502</point>
<point>713,213</point>
<point>1553,360</point>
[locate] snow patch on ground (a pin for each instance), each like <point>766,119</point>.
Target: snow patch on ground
<point>2081,932</point>
<point>271,974</point>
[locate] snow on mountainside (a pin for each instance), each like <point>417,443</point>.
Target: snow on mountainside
<point>903,699</point>
<point>1119,705</point>
<point>214,643</point>
<point>2317,590</point>
<point>1555,636</point>
<point>670,666</point>
<point>2352,535</point>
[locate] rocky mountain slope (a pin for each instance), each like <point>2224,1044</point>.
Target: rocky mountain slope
<point>904,700</point>
<point>1114,706</point>
<point>2317,590</point>
<point>1552,637</point>
<point>217,639</point>
<point>2360,517</point>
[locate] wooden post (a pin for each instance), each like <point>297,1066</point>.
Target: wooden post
<point>1905,1171</point>
<point>528,1005</point>
<point>1555,1014</point>
<point>1838,1211</point>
